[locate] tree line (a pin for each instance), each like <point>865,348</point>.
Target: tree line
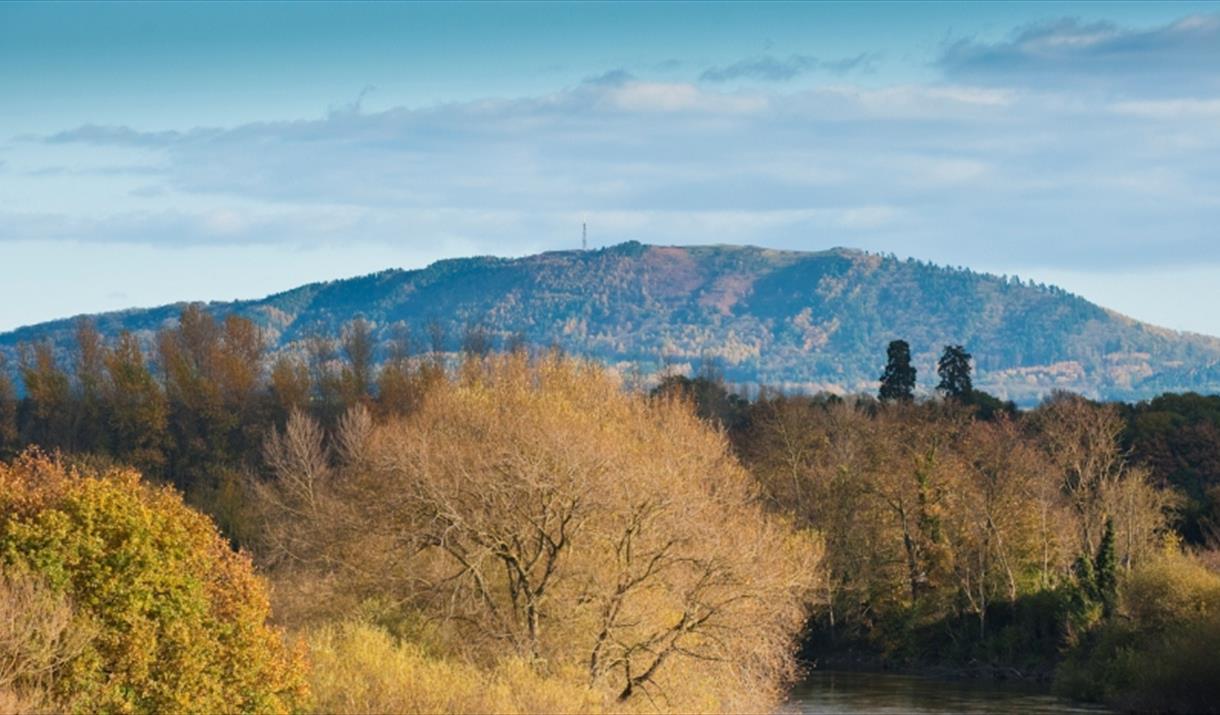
<point>960,531</point>
<point>521,517</point>
<point>507,533</point>
<point>191,406</point>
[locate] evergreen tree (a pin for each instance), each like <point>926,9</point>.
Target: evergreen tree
<point>1105,571</point>
<point>898,380</point>
<point>1086,578</point>
<point>954,370</point>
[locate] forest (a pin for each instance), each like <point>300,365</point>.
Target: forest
<point>377,524</point>
<point>801,321</point>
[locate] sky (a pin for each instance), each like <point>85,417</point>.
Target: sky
<point>151,153</point>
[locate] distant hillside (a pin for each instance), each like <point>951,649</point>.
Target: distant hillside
<point>807,321</point>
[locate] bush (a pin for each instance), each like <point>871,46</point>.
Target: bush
<point>359,668</point>
<point>177,620</point>
<point>1158,654</point>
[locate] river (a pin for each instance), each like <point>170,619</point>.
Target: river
<point>844,693</point>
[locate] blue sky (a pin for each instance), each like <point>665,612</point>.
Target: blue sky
<point>151,153</point>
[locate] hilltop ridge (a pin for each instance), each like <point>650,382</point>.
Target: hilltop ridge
<point>800,320</point>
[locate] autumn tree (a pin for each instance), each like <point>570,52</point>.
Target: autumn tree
<point>539,509</point>
<point>239,364</point>
<point>41,635</point>
<point>289,385</point>
<point>933,516</point>
<point>437,339</point>
<point>137,407</point>
<point>898,379</point>
<point>404,379</point>
<point>326,375</point>
<point>175,620</point>
<point>1003,521</point>
<point>913,483</point>
<point>817,459</point>
<point>8,410</point>
<point>212,376</point>
<point>188,353</point>
<point>359,347</point>
<point>89,416</point>
<point>49,396</point>
<point>1083,442</point>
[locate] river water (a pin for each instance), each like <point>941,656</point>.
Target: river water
<point>844,693</point>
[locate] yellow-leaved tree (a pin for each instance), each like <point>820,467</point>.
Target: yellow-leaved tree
<point>175,619</point>
<point>534,510</point>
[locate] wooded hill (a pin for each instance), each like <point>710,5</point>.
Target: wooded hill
<point>806,321</point>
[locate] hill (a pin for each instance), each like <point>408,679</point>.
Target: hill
<point>798,320</point>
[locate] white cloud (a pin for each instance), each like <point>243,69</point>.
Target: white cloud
<point>674,97</point>
<point>1068,53</point>
<point>1170,108</point>
<point>948,171</point>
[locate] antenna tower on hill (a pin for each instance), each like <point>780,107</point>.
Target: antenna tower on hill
<point>584,237</point>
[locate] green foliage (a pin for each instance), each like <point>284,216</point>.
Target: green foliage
<point>898,380</point>
<point>1026,636</point>
<point>1105,571</point>
<point>954,371</point>
<point>807,320</point>
<point>1084,571</point>
<point>1178,438</point>
<point>990,407</point>
<point>711,399</point>
<point>178,619</point>
<point>1159,654</point>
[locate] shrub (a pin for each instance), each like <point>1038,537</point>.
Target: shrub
<point>359,668</point>
<point>177,619</point>
<point>1158,654</point>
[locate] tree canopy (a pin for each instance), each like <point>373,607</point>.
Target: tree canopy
<point>898,379</point>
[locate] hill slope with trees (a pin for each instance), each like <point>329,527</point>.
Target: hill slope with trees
<point>800,320</point>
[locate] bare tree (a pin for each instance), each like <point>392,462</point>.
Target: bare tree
<point>537,506</point>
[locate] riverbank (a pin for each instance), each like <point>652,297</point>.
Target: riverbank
<point>835,692</point>
<point>861,662</point>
